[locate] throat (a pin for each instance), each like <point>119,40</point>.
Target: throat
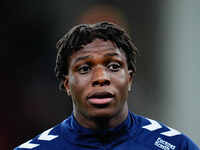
<point>101,123</point>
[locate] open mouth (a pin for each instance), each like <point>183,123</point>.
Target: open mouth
<point>100,98</point>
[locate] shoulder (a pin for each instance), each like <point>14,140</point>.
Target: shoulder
<point>156,134</point>
<point>49,139</point>
<point>45,138</point>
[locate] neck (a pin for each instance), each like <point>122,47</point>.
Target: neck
<point>104,122</point>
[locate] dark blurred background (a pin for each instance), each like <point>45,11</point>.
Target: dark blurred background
<point>167,81</point>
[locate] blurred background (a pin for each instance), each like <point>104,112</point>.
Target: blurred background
<point>167,85</point>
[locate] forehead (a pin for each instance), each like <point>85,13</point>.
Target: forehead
<point>98,47</point>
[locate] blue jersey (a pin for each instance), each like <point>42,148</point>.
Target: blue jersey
<point>135,133</point>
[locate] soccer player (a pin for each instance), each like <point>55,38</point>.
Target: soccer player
<point>95,65</point>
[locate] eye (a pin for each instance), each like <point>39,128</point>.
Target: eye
<point>83,69</point>
<point>114,66</point>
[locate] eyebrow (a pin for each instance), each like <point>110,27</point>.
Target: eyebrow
<point>89,56</point>
<point>82,58</point>
<point>111,54</point>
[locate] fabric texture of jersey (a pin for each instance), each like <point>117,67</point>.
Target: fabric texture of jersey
<point>135,133</point>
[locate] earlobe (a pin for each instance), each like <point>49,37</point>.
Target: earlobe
<point>66,85</point>
<point>130,72</point>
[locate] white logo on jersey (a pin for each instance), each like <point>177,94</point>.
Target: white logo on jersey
<point>154,125</point>
<point>28,145</point>
<point>164,144</point>
<point>171,132</point>
<point>44,136</point>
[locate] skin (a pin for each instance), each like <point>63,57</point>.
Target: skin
<point>99,67</point>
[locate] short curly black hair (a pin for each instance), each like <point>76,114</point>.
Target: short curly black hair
<point>84,34</point>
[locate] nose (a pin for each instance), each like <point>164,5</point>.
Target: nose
<point>100,77</point>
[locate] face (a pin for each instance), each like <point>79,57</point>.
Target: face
<point>98,80</point>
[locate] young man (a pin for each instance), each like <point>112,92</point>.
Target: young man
<point>95,66</point>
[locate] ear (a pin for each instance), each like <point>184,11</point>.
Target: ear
<point>130,79</point>
<point>66,85</point>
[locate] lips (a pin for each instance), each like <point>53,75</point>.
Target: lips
<point>100,98</point>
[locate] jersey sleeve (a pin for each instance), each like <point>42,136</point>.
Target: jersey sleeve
<point>190,145</point>
<point>163,137</point>
<point>42,141</point>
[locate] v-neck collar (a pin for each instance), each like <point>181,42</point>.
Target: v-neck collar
<point>77,134</point>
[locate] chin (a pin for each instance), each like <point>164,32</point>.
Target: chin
<point>102,113</point>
